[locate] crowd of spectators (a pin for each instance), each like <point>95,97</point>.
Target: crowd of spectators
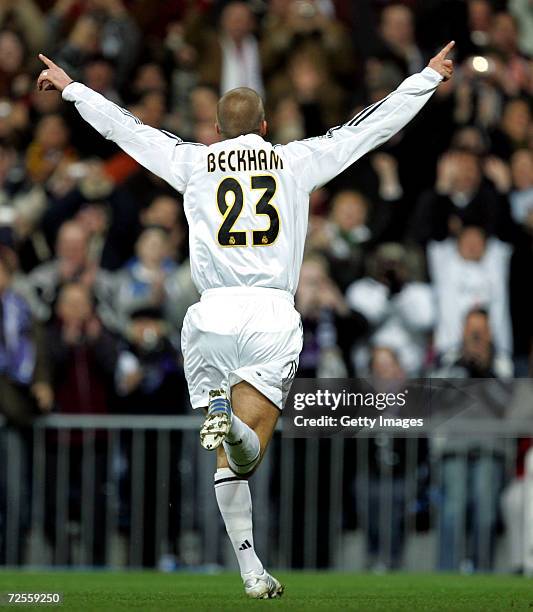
<point>408,250</point>
<point>402,246</point>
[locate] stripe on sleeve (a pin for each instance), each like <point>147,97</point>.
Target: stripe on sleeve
<point>128,114</point>
<point>371,110</point>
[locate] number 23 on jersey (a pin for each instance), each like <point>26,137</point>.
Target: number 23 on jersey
<point>230,188</point>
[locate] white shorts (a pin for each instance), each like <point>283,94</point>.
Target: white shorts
<point>235,334</point>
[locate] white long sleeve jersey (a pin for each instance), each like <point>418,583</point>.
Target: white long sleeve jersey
<point>246,201</point>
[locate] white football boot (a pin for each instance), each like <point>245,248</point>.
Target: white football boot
<point>262,586</point>
<point>217,421</point>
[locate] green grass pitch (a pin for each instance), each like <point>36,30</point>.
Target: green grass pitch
<point>151,591</point>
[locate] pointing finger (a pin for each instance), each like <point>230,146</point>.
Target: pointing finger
<point>444,52</point>
<point>47,61</point>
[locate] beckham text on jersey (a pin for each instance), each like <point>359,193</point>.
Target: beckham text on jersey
<point>244,160</point>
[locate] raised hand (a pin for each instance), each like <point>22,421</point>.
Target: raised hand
<point>53,77</point>
<point>442,65</point>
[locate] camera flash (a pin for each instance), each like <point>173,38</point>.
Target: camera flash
<point>480,63</point>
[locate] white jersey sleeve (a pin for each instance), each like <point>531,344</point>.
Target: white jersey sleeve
<point>159,151</point>
<point>317,160</point>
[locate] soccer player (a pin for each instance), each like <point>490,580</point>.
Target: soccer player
<point>247,205</point>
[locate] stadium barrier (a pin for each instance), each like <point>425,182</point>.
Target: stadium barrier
<point>133,491</point>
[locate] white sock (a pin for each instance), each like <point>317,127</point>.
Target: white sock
<point>242,447</point>
<point>235,504</point>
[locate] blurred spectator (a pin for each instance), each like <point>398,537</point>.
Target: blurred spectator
<point>384,454</point>
<point>11,182</point>
<point>503,42</point>
<point>397,30</point>
<point>14,81</point>
<point>202,101</point>
<point>470,138</point>
<point>82,353</point>
<point>230,57</point>
<point>471,272</point>
<point>83,42</point>
<point>399,309</point>
<point>480,14</point>
<point>471,467</point>
<point>25,393</point>
<point>25,389</point>
<point>521,9</point>
<point>25,17</point>
<point>180,61</point>
<point>149,376</point>
<point>99,74</point>
<point>50,148</point>
<point>72,264</point>
<point>166,212</point>
<point>145,281</point>
<point>241,64</point>
<point>345,238</point>
<point>381,484</point>
<point>286,121</point>
<point>99,26</point>
<point>459,198</point>
<point>306,82</point>
<point>521,301</point>
<point>149,77</point>
<point>152,277</point>
<point>514,130</point>
<point>477,357</point>
<point>521,196</point>
<point>149,380</point>
<point>83,358</point>
<point>329,327</point>
<point>305,27</point>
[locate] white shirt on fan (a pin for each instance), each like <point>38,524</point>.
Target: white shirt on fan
<point>461,285</point>
<point>241,66</point>
<point>246,201</point>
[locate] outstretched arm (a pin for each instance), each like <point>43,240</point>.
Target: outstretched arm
<point>160,152</point>
<point>320,159</point>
